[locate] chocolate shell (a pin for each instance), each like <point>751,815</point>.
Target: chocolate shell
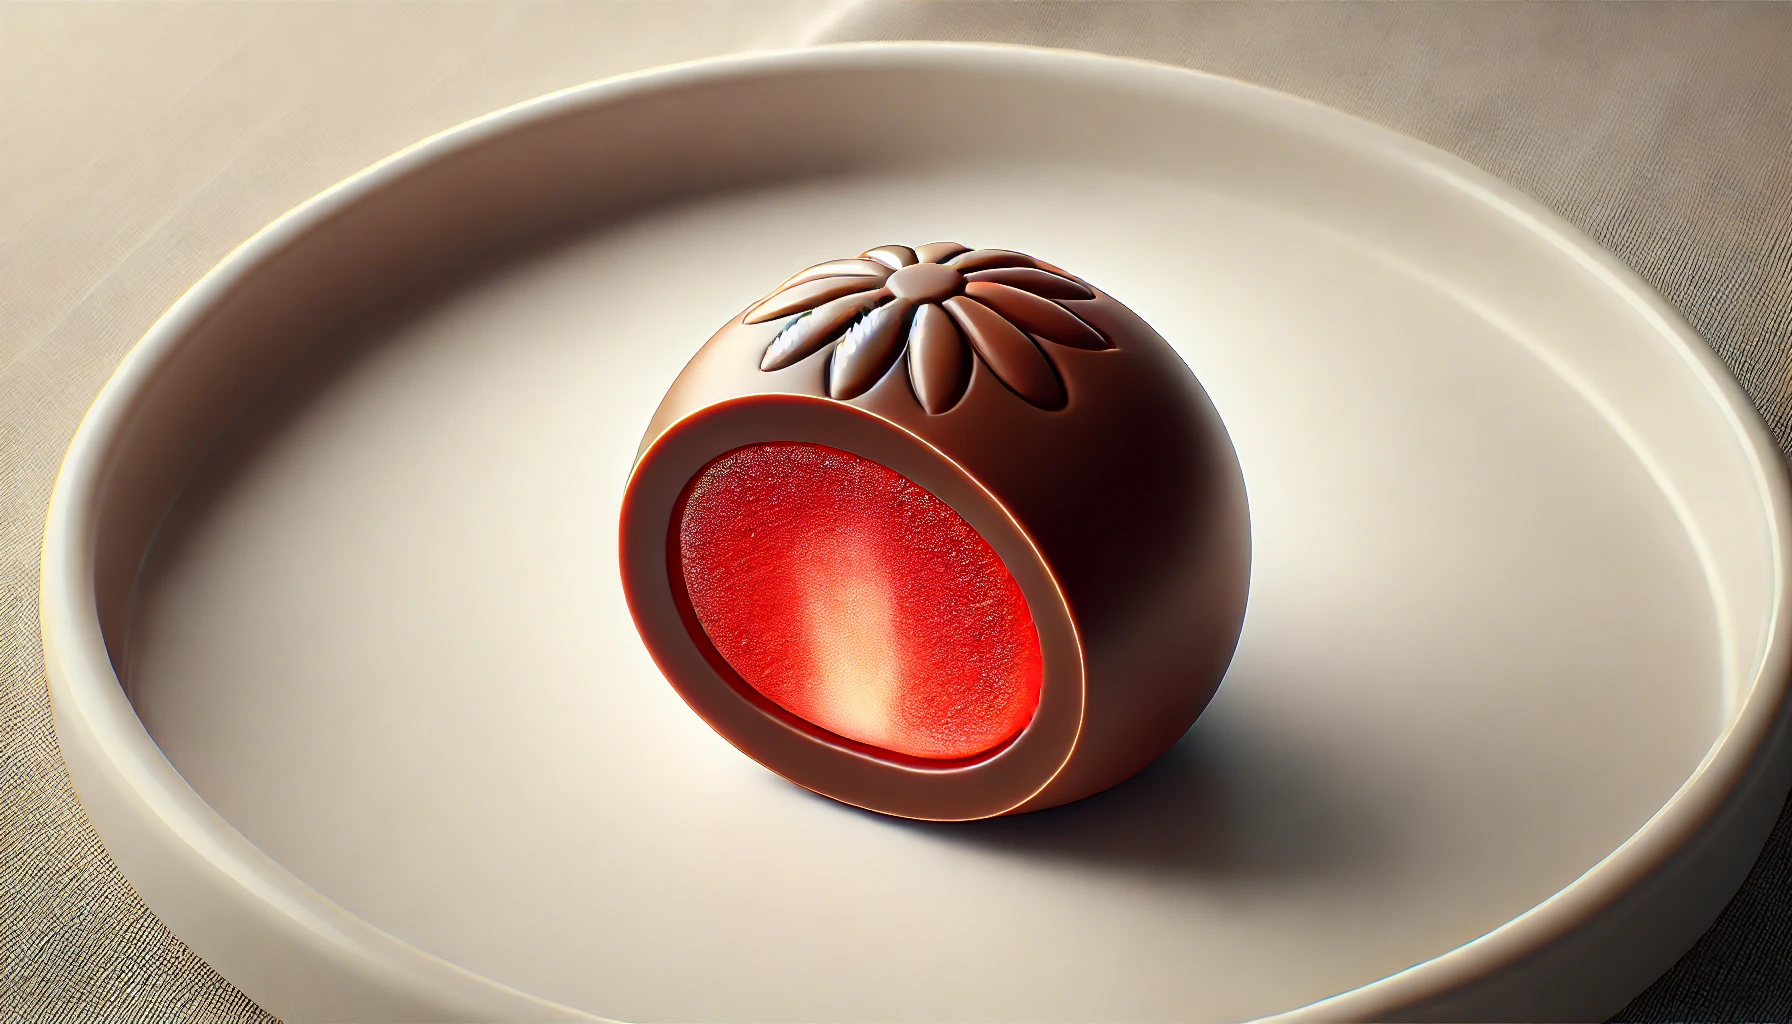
<point>1030,406</point>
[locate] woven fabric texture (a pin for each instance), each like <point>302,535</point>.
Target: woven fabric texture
<point>138,144</point>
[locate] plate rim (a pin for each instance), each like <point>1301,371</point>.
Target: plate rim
<point>141,796</point>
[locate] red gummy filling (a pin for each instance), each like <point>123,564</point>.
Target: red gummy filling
<point>857,601</point>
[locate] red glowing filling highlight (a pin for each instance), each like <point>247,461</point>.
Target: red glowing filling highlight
<point>855,600</point>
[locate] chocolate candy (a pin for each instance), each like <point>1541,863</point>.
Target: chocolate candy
<point>941,532</point>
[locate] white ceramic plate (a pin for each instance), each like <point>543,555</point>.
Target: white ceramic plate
<point>1502,736</point>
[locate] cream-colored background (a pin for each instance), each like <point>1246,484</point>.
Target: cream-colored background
<point>138,143</point>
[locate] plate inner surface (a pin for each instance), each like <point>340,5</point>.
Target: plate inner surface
<point>382,634</point>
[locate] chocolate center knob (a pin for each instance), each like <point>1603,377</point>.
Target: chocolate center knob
<point>925,282</point>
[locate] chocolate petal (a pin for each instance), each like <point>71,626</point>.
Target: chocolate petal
<point>838,268</point>
<point>1014,358</point>
<point>1039,282</point>
<point>808,295</point>
<point>868,350</point>
<point>1035,315</point>
<point>989,259</point>
<point>893,256</point>
<point>938,252</point>
<point>807,334</point>
<point>939,365</point>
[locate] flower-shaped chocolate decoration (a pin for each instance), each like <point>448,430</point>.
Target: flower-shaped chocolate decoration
<point>930,301</point>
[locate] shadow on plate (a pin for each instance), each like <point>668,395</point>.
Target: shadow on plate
<point>1224,802</point>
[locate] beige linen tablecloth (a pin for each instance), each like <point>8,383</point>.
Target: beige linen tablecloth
<point>139,143</point>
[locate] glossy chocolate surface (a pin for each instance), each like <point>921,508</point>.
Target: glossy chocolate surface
<point>1058,423</point>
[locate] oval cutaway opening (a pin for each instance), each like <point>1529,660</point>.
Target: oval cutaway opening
<point>854,599</point>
